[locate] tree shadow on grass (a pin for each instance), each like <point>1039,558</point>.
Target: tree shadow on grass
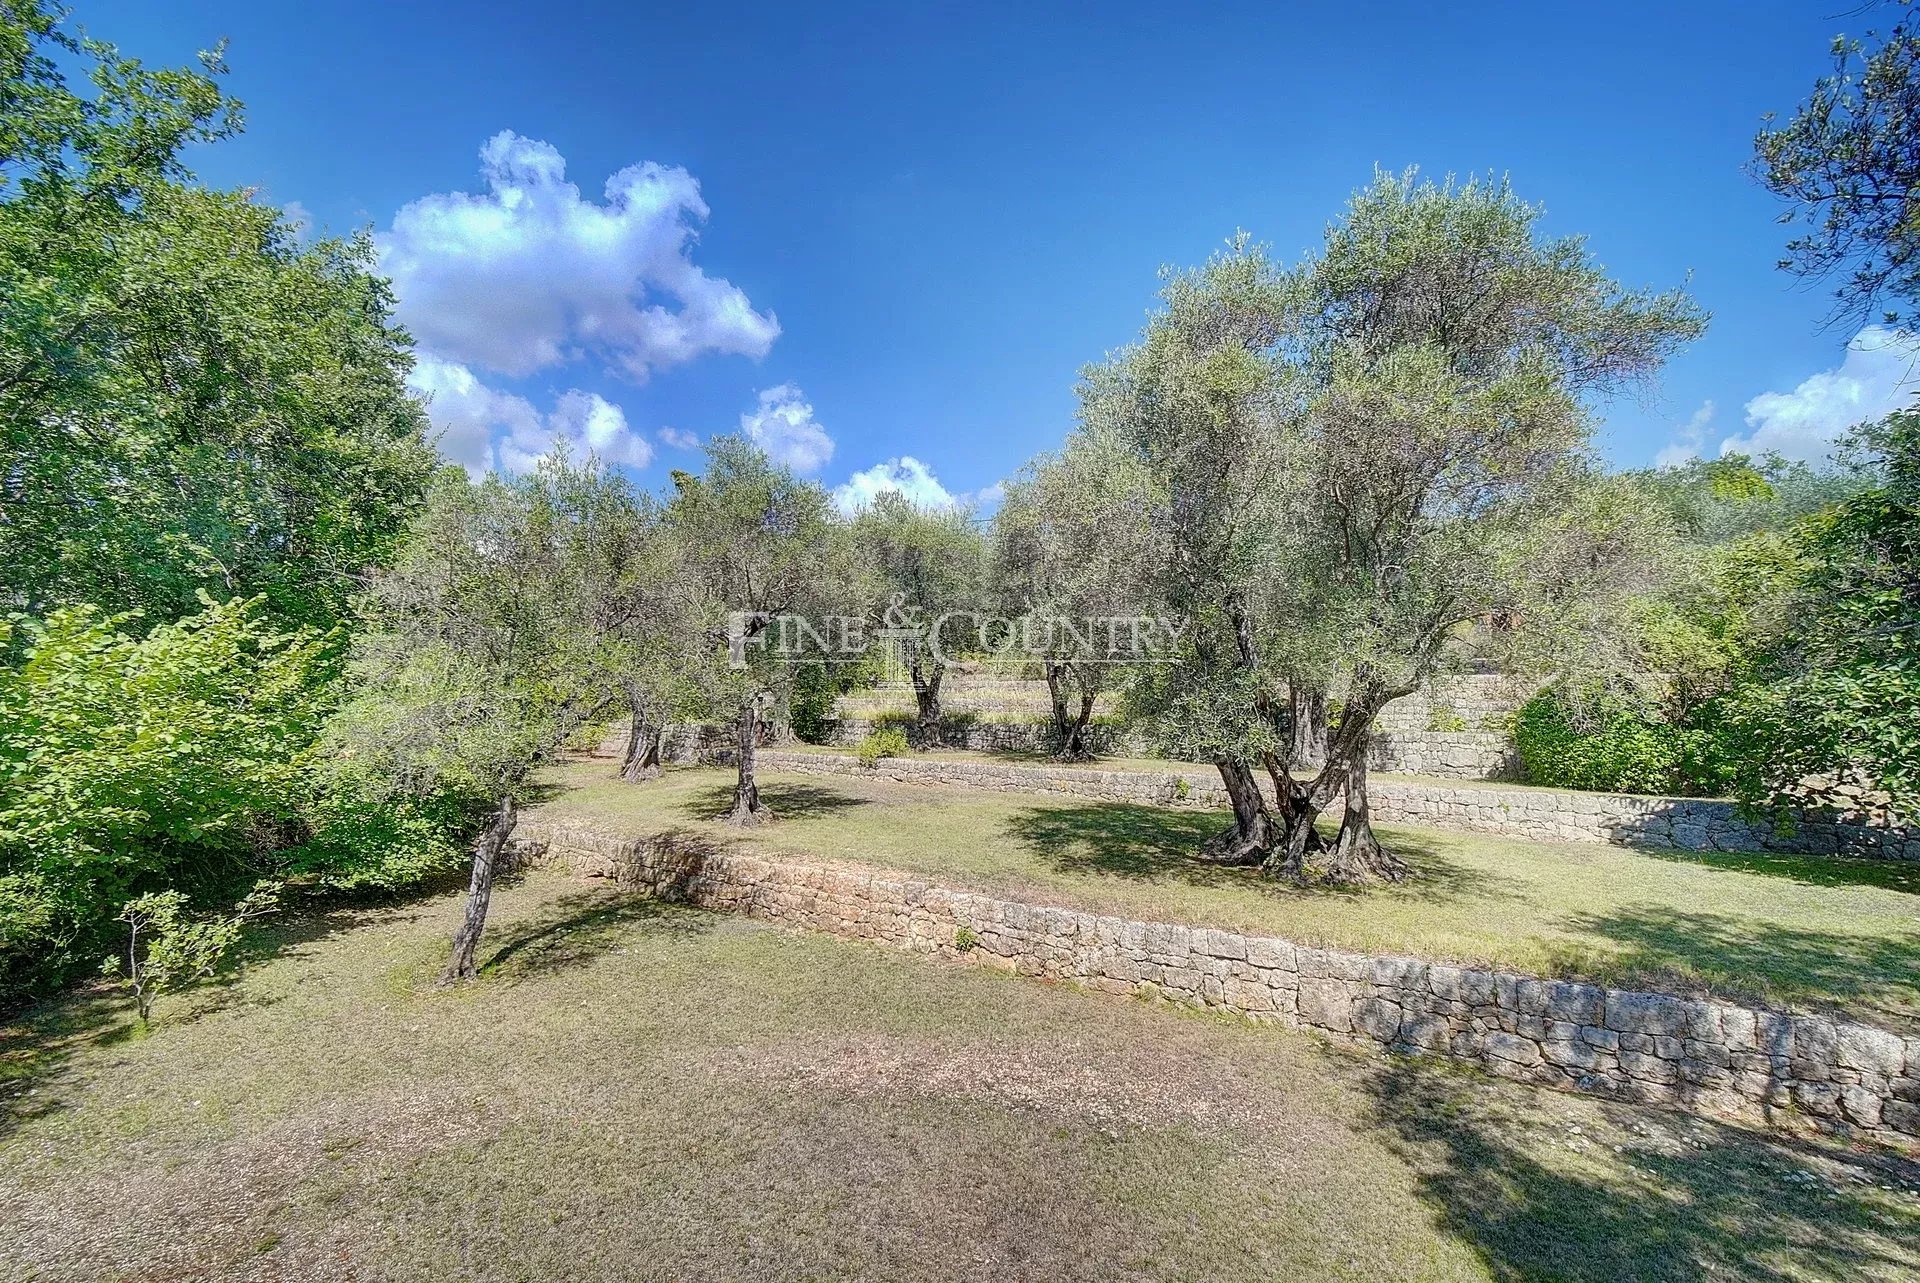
<point>1813,870</point>
<point>1683,1199</point>
<point>1154,843</point>
<point>38,1042</point>
<point>579,927</point>
<point>790,801</point>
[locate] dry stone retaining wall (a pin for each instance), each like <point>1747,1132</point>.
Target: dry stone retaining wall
<point>1467,755</point>
<point>1549,815</point>
<point>1706,1057</point>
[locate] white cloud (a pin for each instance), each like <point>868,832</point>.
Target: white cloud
<point>1878,375</point>
<point>470,416</point>
<point>905,475</point>
<point>1686,439</point>
<point>783,425</point>
<point>988,497</point>
<point>679,438</point>
<point>299,217</point>
<point>588,424</point>
<point>908,476</point>
<point>530,275</point>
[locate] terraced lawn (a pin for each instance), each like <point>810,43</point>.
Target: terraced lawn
<point>1802,933</point>
<point>635,1091</point>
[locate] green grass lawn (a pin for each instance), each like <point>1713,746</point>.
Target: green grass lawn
<point>634,1091</point>
<point>1794,931</point>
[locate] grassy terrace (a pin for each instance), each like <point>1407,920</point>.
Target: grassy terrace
<point>1806,933</point>
<point>637,1091</point>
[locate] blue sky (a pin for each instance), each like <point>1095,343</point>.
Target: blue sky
<point>921,220</point>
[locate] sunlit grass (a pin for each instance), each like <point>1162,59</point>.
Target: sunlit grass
<point>1841,933</point>
<point>639,1091</point>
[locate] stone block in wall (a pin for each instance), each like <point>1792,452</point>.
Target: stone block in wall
<point>1325,1003</point>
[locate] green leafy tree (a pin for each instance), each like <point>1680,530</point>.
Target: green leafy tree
<point>1829,716</point>
<point>190,398</point>
<point>478,662</point>
<point>1073,541</point>
<point>1847,164</point>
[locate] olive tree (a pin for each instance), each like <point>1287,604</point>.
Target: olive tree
<point>483,652</point>
<point>1847,165</point>
<point>927,561</point>
<point>1071,543</point>
<point>756,544</point>
<point>1375,448</point>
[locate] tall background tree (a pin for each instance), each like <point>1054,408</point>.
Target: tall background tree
<point>191,399</point>
<point>205,444</point>
<point>925,561</point>
<point>485,650</point>
<point>1072,541</point>
<point>756,543</point>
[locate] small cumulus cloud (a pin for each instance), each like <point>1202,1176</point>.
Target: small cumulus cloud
<point>783,425</point>
<point>1686,439</point>
<point>679,438</point>
<point>1879,374</point>
<point>483,428</point>
<point>298,217</point>
<point>530,274</point>
<point>908,476</point>
<point>905,475</point>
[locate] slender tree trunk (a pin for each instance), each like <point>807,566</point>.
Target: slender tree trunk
<point>748,809</point>
<point>1074,748</point>
<point>926,675</point>
<point>1251,835</point>
<point>486,858</point>
<point>1057,694</point>
<point>1069,728</point>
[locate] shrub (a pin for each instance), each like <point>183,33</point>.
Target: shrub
<point>167,948</point>
<point>810,707</point>
<point>887,742</point>
<point>1615,748</point>
<point>128,764</point>
<point>1445,718</point>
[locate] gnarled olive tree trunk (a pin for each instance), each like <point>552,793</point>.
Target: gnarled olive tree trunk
<point>748,809</point>
<point>926,674</point>
<point>1356,854</point>
<point>644,735</point>
<point>1069,726</point>
<point>1307,718</point>
<point>486,859</point>
<point>1251,836</point>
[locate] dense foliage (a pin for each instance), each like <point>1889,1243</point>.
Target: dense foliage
<point>190,398</point>
<point>205,443</point>
<point>132,763</point>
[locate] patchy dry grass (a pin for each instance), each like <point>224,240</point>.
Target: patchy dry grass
<point>1798,932</point>
<point>634,1091</point>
